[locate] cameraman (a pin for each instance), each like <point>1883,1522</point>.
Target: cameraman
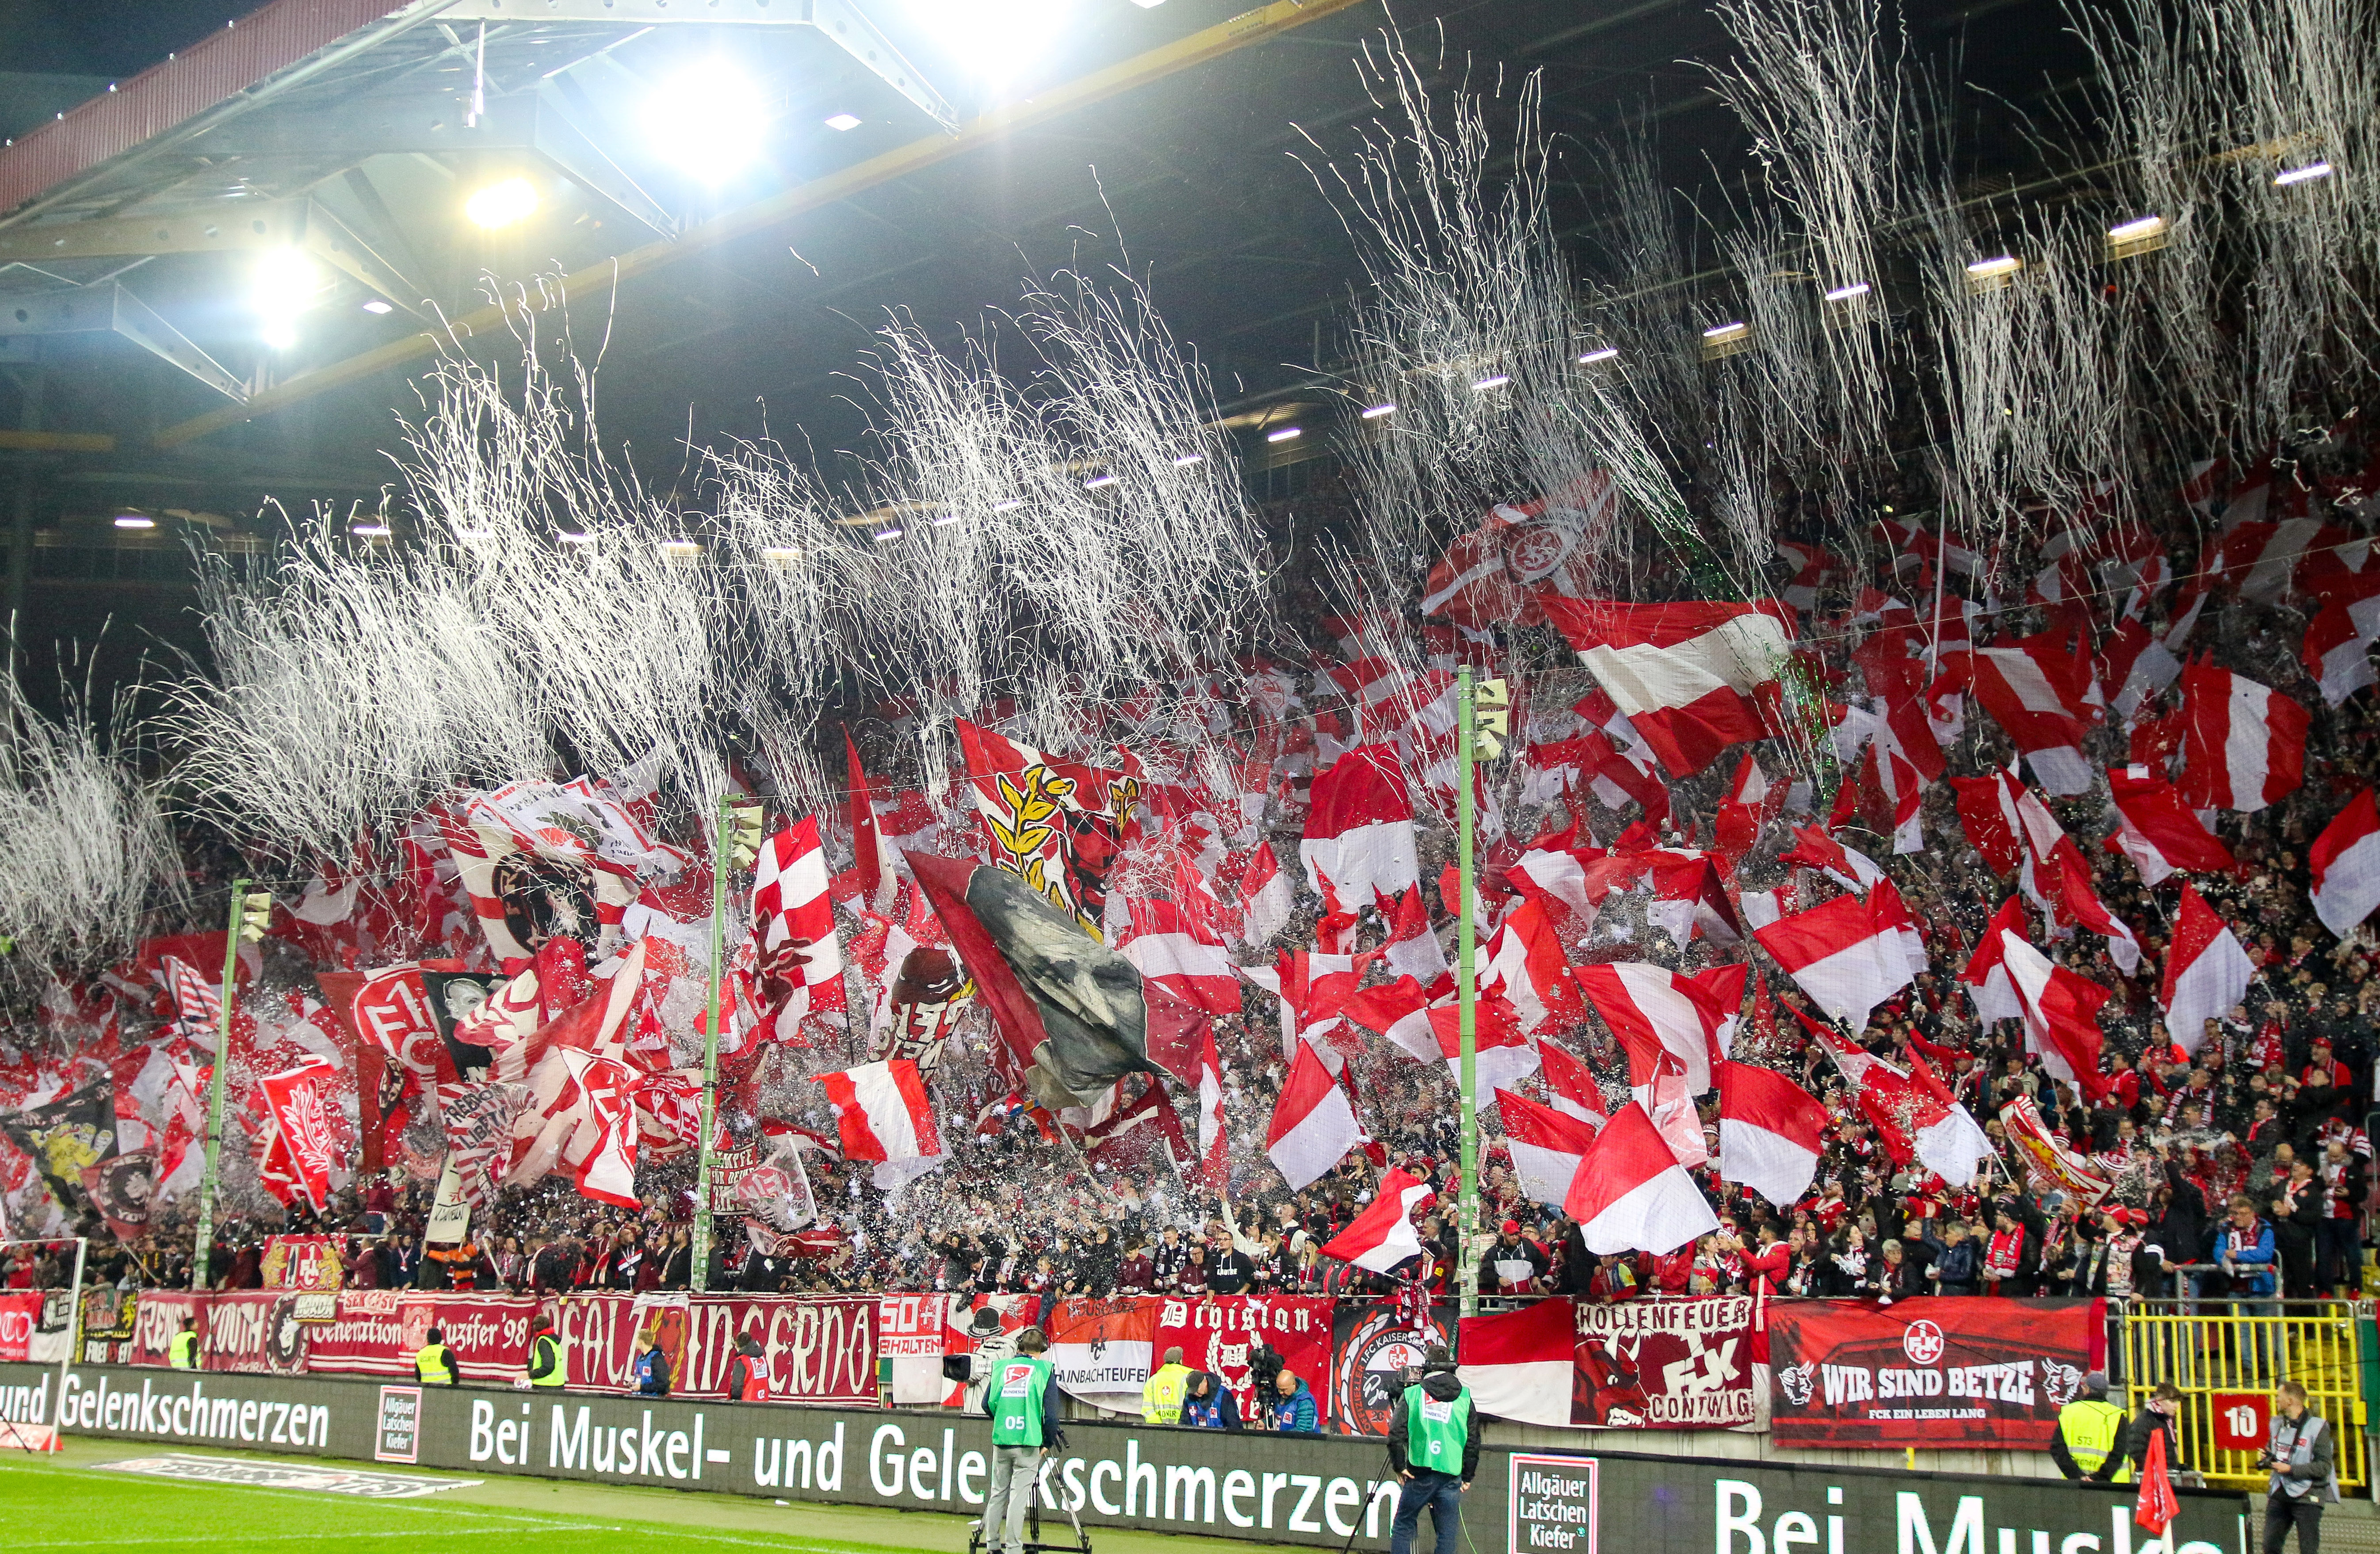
<point>1435,1450</point>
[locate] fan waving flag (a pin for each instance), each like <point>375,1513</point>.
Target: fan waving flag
<point>1847,955</point>
<point>1313,1123</point>
<point>2206,972</point>
<point>1692,677</point>
<point>1654,1011</point>
<point>1630,1194</point>
<point>2034,688</point>
<point>1987,975</point>
<point>2346,863</point>
<point>1546,1145</point>
<point>1266,900</point>
<point>1771,1132</point>
<point>1383,1235</point>
<point>882,1112</point>
<point>2242,744</point>
<point>1570,1084</point>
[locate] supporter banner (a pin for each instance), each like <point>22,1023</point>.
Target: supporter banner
<point>1219,1333</point>
<point>376,1332</point>
<point>815,1348</point>
<point>1373,1349</point>
<point>20,1313</point>
<point>909,1333</point>
<point>1670,1365</point>
<point>1321,1492</point>
<point>1100,1349</point>
<point>1927,1372</point>
<point>303,1262</point>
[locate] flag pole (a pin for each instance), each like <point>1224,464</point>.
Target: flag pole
<point>1466,998</point>
<point>203,1249</point>
<point>698,1254</point>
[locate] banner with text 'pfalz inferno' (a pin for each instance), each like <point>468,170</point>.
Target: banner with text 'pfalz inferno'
<point>1972,1372</point>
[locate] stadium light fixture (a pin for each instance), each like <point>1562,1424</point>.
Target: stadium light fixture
<point>1846,293</point>
<point>573,537</point>
<point>1096,481</point>
<point>1993,268</point>
<point>1493,381</point>
<point>842,121</point>
<point>1385,408</point>
<point>368,531</point>
<point>1602,353</point>
<point>1010,505</point>
<point>1286,434</point>
<point>502,203</point>
<point>2307,174</point>
<point>708,121</point>
<point>283,284</point>
<point>135,520</point>
<point>377,305</point>
<point>2137,230</point>
<point>886,536</point>
<point>1186,460</point>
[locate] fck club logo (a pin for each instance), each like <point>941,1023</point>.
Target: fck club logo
<point>1923,1342</point>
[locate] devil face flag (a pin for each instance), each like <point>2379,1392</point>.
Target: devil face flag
<point>1072,1012</point>
<point>65,1138</point>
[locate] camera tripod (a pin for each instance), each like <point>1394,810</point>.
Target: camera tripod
<point>1033,1543</point>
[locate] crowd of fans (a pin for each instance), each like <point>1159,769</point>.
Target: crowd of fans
<point>2240,1169</point>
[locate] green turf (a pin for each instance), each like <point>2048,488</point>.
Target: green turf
<point>69,1502</point>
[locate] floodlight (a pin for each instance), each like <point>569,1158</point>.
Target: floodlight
<point>2133,231</point>
<point>886,535</point>
<point>283,284</point>
<point>370,531</point>
<point>1286,434</point>
<point>502,203</point>
<point>2306,174</point>
<point>135,520</point>
<point>376,305</point>
<point>2001,264</point>
<point>1845,293</point>
<point>1186,460</point>
<point>1493,381</point>
<point>708,121</point>
<point>1374,412</point>
<point>1719,333</point>
<point>842,121</point>
<point>1601,353</point>
<point>1096,481</point>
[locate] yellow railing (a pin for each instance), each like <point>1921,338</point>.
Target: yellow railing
<point>2220,1360</point>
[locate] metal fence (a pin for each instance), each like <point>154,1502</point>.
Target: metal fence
<point>2227,1364</point>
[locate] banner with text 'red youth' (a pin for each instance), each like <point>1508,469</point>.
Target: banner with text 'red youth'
<point>1930,1372</point>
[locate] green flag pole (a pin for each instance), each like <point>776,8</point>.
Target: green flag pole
<point>701,1253</point>
<point>202,1254</point>
<point>1467,1001</point>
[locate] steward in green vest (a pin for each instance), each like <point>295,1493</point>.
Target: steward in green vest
<point>2088,1431</point>
<point>183,1353</point>
<point>1435,1450</point>
<point>545,1356</point>
<point>434,1364</point>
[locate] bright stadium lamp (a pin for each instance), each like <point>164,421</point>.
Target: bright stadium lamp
<point>708,121</point>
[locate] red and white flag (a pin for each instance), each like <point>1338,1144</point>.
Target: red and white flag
<point>2242,744</point>
<point>1810,566</point>
<point>1848,955</point>
<point>2338,645</point>
<point>2034,687</point>
<point>2346,863</point>
<point>873,858</point>
<point>1654,1011</point>
<point>1384,1234</point>
<point>2157,830</point>
<point>301,1145</point>
<point>607,1172</point>
<point>2060,1015</point>
<point>1693,677</point>
<point>1314,1123</point>
<point>1266,899</point>
<point>793,925</point>
<point>1524,963</point>
<point>1570,1084</point>
<point>882,1112</point>
<point>2206,972</point>
<point>1214,1171</point>
<point>1359,833</point>
<point>1546,1145</point>
<point>1170,948</point>
<point>1986,975</point>
<point>1522,1364</point>
<point>1630,1194</point>
<point>1770,1133</point>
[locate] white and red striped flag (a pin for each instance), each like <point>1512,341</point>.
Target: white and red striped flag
<point>1570,1084</point>
<point>1359,833</point>
<point>1522,1364</point>
<point>1546,1145</point>
<point>1654,1011</point>
<point>1848,955</point>
<point>1630,1194</point>
<point>1266,898</point>
<point>1312,1121</point>
<point>1770,1133</point>
<point>2159,833</point>
<point>882,1112</point>
<point>1986,975</point>
<point>793,925</point>
<point>1213,1171</point>
<point>2205,971</point>
<point>1693,677</point>
<point>2346,863</point>
<point>2338,644</point>
<point>2034,687</point>
<point>2060,1014</point>
<point>1525,963</point>
<point>1170,948</point>
<point>1384,1234</point>
<point>2242,744</point>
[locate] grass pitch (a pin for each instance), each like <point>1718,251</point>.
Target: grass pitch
<point>73,1500</point>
